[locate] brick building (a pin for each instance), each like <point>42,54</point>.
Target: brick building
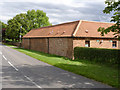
<point>61,39</point>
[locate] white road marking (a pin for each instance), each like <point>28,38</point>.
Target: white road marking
<point>32,82</point>
<point>0,52</point>
<point>6,46</point>
<point>89,83</point>
<point>13,66</point>
<point>10,63</point>
<point>24,75</point>
<point>4,57</point>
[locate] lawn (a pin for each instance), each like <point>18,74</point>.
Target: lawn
<point>98,72</point>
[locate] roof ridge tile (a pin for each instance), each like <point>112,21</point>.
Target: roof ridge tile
<point>77,27</point>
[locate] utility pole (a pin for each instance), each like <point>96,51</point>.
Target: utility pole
<point>20,36</point>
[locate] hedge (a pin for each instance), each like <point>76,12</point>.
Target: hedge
<point>97,54</point>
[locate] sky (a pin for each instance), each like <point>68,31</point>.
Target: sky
<point>58,11</point>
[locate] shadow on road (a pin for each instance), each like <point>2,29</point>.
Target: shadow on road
<point>47,76</point>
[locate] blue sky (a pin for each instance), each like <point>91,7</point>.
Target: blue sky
<point>58,11</point>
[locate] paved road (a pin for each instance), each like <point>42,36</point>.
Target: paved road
<point>22,71</point>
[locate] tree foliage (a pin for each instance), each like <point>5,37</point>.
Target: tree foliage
<point>112,6</point>
<point>3,26</point>
<point>24,22</point>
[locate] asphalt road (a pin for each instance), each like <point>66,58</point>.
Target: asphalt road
<point>22,71</point>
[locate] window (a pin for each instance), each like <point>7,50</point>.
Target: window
<point>87,43</point>
<point>110,40</point>
<point>114,44</point>
<point>98,40</point>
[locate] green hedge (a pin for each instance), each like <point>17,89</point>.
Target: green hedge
<point>98,55</point>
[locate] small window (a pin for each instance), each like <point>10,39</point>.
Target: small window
<point>98,40</point>
<point>87,43</point>
<point>110,40</point>
<point>114,44</point>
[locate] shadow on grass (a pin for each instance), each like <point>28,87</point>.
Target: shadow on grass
<point>91,72</point>
<point>41,53</point>
<point>98,73</point>
<point>47,77</point>
<point>115,66</point>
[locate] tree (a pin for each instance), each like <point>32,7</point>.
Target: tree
<point>37,19</point>
<point>22,23</point>
<point>112,6</point>
<point>15,25</point>
<point>3,24</point>
<point>3,27</point>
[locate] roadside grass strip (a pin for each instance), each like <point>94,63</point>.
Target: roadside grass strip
<point>98,72</point>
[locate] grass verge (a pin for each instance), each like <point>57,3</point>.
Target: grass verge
<point>8,45</point>
<point>98,72</point>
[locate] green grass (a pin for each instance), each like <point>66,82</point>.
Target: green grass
<point>98,72</point>
<point>8,45</point>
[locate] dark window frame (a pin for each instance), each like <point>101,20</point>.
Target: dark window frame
<point>114,44</point>
<point>87,43</point>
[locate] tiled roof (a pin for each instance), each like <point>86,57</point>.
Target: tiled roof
<point>72,29</point>
<point>90,29</point>
<point>60,30</point>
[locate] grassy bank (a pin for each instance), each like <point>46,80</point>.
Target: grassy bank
<point>8,45</point>
<point>98,72</point>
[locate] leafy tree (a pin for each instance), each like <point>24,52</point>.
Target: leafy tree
<point>22,23</point>
<point>15,25</point>
<point>3,26</point>
<point>112,6</point>
<point>37,19</point>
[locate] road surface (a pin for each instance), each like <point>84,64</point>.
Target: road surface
<point>22,71</point>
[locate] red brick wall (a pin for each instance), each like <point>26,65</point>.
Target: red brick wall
<point>64,46</point>
<point>118,44</point>
<point>57,46</point>
<point>77,42</point>
<point>25,43</point>
<point>39,44</point>
<point>61,46</point>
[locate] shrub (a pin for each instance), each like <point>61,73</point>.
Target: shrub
<point>97,54</point>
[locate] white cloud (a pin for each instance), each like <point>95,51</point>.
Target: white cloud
<point>1,3</point>
<point>5,18</point>
<point>73,3</point>
<point>58,11</point>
